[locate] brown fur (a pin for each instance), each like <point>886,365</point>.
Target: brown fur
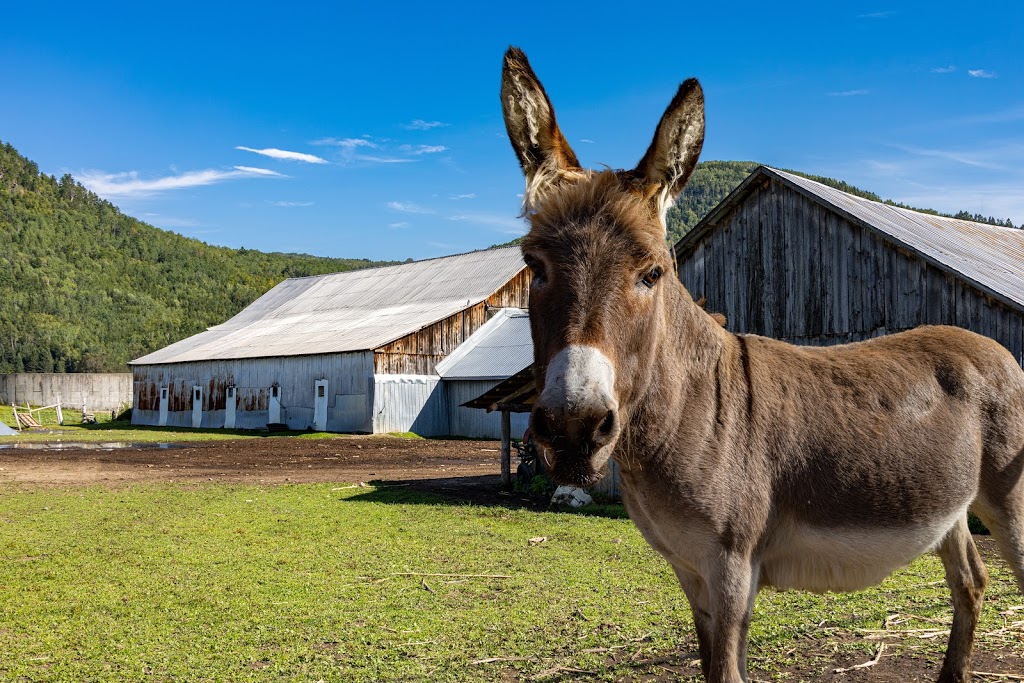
<point>742,456</point>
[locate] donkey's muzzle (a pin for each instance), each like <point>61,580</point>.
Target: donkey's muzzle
<point>576,417</point>
<point>575,444</point>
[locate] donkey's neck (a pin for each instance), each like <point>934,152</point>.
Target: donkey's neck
<point>683,384</point>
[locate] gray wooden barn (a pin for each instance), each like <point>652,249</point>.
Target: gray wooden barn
<point>346,352</point>
<point>790,258</point>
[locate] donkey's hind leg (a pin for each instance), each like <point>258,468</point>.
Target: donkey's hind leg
<point>967,577</point>
<point>1001,507</point>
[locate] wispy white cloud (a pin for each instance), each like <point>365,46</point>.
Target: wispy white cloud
<point>981,178</point>
<point>848,93</point>
<point>275,153</point>
<point>944,69</point>
<point>409,207</point>
<point>381,160</point>
<point>288,204</point>
<point>353,150</point>
<point>468,195</point>
<point>505,224</point>
<point>980,73</point>
<point>348,143</point>
<point>1002,116</point>
<point>129,184</point>
<point>585,140</point>
<point>423,149</point>
<point>252,170</point>
<point>399,225</point>
<point>876,15</point>
<point>420,124</point>
<point>999,157</point>
<point>169,221</point>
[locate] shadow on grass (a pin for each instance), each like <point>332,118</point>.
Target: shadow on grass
<point>483,490</point>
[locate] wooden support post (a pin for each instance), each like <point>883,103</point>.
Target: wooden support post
<point>506,449</point>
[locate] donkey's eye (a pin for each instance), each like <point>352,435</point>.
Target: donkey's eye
<point>536,267</point>
<point>652,276</point>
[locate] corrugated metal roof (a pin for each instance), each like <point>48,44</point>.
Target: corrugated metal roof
<point>499,349</point>
<point>352,311</point>
<point>988,255</point>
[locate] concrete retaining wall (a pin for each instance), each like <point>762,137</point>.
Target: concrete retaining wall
<point>99,391</point>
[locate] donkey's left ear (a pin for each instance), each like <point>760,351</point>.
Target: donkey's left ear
<point>673,154</point>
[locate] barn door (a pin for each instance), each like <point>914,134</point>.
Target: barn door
<point>274,414</point>
<point>163,407</point>
<point>229,408</point>
<point>320,405</point>
<point>197,407</point>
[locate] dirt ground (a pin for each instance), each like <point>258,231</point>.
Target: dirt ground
<point>466,470</point>
<point>469,470</point>
<point>270,460</point>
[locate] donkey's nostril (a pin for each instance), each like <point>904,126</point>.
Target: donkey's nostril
<point>540,424</point>
<point>608,424</point>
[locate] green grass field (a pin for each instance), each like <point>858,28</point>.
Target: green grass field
<point>106,429</point>
<point>333,583</point>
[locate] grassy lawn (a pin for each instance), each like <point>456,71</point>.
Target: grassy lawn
<point>107,430</point>
<point>306,583</point>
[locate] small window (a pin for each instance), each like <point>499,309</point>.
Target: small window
<point>199,394</point>
<point>273,391</point>
<point>231,392</point>
<point>163,393</point>
<point>320,391</point>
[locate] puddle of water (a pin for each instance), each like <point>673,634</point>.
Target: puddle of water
<point>83,445</point>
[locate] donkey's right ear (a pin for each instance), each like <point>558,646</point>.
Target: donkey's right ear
<point>543,151</point>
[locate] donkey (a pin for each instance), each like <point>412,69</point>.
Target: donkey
<point>748,462</point>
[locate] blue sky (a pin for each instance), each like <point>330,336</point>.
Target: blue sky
<point>375,130</point>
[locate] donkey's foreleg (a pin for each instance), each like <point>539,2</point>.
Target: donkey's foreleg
<point>732,587</point>
<point>967,578</point>
<point>697,593</point>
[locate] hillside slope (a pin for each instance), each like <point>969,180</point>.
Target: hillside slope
<point>85,288</point>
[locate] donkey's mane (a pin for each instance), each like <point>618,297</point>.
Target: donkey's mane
<point>612,197</point>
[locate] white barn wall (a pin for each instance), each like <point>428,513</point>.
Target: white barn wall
<point>474,422</point>
<point>349,375</point>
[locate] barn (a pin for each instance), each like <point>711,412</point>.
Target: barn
<point>790,258</point>
<point>346,352</point>
<point>501,349</point>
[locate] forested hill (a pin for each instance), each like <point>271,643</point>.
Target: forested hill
<point>85,288</point>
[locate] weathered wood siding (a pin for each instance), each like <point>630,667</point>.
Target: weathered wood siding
<point>349,375</point>
<point>419,352</point>
<point>784,266</point>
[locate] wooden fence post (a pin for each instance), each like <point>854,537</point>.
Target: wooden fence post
<point>506,449</point>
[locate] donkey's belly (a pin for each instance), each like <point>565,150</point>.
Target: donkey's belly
<point>820,559</point>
